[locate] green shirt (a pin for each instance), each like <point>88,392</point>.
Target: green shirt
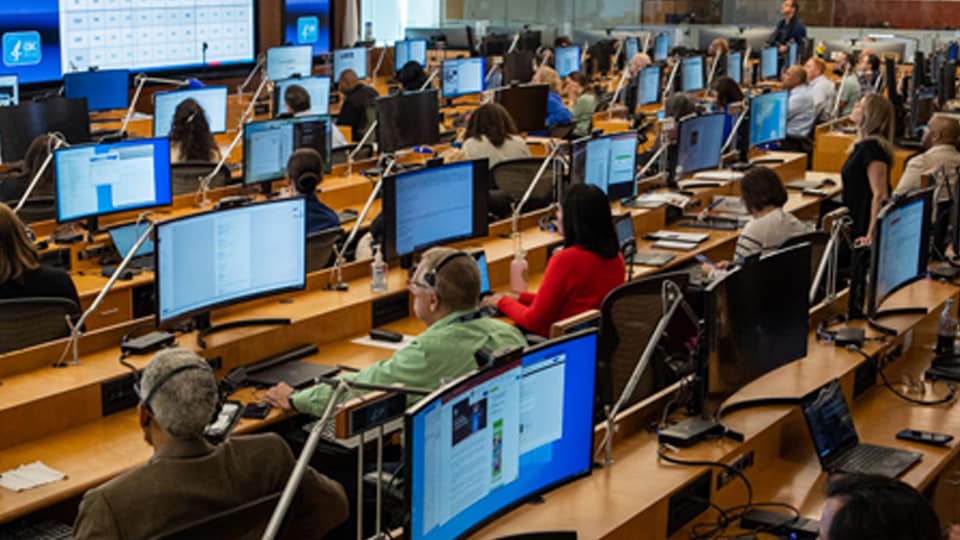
<point>849,94</point>
<point>583,110</point>
<point>442,353</point>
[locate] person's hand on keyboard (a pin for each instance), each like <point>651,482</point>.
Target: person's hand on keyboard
<point>279,396</point>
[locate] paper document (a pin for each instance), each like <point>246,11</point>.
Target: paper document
<point>29,476</point>
<point>365,340</point>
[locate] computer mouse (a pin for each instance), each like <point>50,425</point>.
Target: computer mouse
<point>829,182</point>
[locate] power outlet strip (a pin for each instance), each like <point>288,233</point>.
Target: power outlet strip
<point>741,464</point>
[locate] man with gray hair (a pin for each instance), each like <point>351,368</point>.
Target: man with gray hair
<point>189,479</point>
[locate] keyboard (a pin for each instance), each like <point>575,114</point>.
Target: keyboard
<point>36,530</point>
<point>873,459</point>
<point>674,244</point>
<point>347,215</point>
<point>713,223</point>
<point>677,236</point>
<point>652,259</point>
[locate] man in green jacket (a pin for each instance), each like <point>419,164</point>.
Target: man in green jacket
<point>445,289</point>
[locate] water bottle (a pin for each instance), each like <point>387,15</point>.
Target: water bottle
<point>947,330</point>
<point>378,272</point>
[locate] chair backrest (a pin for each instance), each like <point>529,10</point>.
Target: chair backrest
<point>25,322</point>
<point>629,315</point>
<point>513,176</point>
<point>245,522</point>
<point>582,321</point>
<point>320,248</point>
<point>561,131</point>
<point>339,154</point>
<point>36,209</point>
<point>186,176</point>
<point>546,535</point>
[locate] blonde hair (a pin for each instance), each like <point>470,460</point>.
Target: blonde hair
<point>17,254</point>
<point>548,76</point>
<point>458,282</point>
<point>878,122</point>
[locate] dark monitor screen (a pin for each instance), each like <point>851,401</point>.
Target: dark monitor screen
<point>213,100</point>
<point>407,120</point>
<point>409,50</point>
<point>922,108</point>
<point>104,90</point>
<point>692,74</point>
<point>757,318</point>
<point>21,124</point>
<point>566,60</point>
<point>267,145</point>
<point>661,48</point>
<point>434,205</point>
<point>829,420</point>
<point>735,67</point>
<point>463,76</point>
<point>289,62</point>
<point>648,91</point>
<point>493,439</point>
<point>699,141</point>
<point>608,162</point>
<point>9,90</point>
<point>355,59</point>
<point>768,118</point>
<point>527,105</point>
<point>901,247</point>
<point>308,22</point>
<point>318,88</point>
<point>769,58</point>
<point>518,67</point>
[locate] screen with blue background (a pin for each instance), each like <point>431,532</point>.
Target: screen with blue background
<point>552,433</point>
<point>649,87</point>
<point>104,90</point>
<point>700,140</point>
<point>632,45</point>
<point>768,63</point>
<point>409,50</point>
<point>791,54</point>
<point>213,100</point>
<point>307,22</point>
<point>768,118</point>
<point>735,67</point>
<point>36,19</point>
<point>692,74</point>
<point>898,256</point>
<point>661,48</point>
<point>567,60</point>
<point>433,205</point>
<point>355,59</point>
<point>126,236</point>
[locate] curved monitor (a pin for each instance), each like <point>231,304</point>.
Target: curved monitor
<point>267,145</point>
<point>407,120</point>
<point>768,118</point>
<point>490,441</point>
<point>527,105</point>
<point>901,246</point>
<point>699,140</point>
<point>608,162</point>
<point>213,100</point>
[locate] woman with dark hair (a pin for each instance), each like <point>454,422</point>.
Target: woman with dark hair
<point>13,188</point>
<point>21,274</point>
<point>411,76</point>
<point>305,171</point>
<point>578,277</point>
<point>190,136</point>
<point>584,98</point>
<point>770,226</point>
<point>492,134</point>
<point>727,92</point>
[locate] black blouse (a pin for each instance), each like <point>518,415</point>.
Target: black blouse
<point>857,194</point>
<point>44,282</point>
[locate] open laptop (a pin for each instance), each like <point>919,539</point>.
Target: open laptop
<point>837,444</point>
<point>125,236</point>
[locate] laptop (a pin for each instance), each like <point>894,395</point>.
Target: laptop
<point>125,236</point>
<point>296,373</point>
<point>837,444</point>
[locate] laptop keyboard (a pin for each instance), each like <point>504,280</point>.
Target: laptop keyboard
<point>37,530</point>
<point>871,459</point>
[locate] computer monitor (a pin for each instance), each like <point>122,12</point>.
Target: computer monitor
<point>648,91</point>
<point>355,59</point>
<point>267,145</point>
<point>901,246</point>
<point>792,54</point>
<point>434,205</point>
<point>769,58</point>
<point>921,109</point>
<point>631,47</point>
<point>661,48</point>
<point>99,179</point>
<point>409,50</point>
<point>463,76</point>
<point>608,162</point>
<point>308,22</point>
<point>21,124</point>
<point>493,439</point>
<point>213,100</point>
<point>566,60</point>
<point>407,120</point>
<point>104,90</point>
<point>947,83</point>
<point>692,74</point>
<point>735,67</point>
<point>481,258</point>
<point>952,51</point>
<point>897,46</point>
<point>757,319</point>
<point>626,235</point>
<point>215,259</point>
<point>768,118</point>
<point>518,67</point>
<point>288,62</point>
<point>699,141</point>
<point>9,90</point>
<point>527,105</point>
<point>317,87</point>
<point>124,237</point>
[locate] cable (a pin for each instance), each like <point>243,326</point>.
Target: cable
<point>676,461</point>
<point>883,377</point>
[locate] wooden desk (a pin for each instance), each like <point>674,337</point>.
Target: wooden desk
<point>831,147</point>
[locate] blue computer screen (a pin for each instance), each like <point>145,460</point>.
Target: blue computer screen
<point>735,67</point>
<point>692,74</point>
<point>481,258</point>
<point>408,50</point>
<point>100,179</point>
<point>661,48</point>
<point>433,205</point>
<point>104,90</point>
<point>308,22</point>
<point>898,259</point>
<point>649,88</point>
<point>952,51</point>
<point>267,145</point>
<point>9,90</point>
<point>287,62</point>
<point>607,162</point>
<point>567,60</point>
<point>355,59</point>
<point>213,100</point>
<point>768,118</point>
<point>699,142</point>
<point>791,54</point>
<point>463,76</point>
<point>488,442</point>
<point>768,63</point>
<point>317,87</point>
<point>217,258</point>
<point>125,236</point>
<point>631,47</point>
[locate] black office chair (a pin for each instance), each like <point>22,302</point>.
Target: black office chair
<point>546,535</point>
<point>513,177</point>
<point>562,131</point>
<point>245,522</point>
<point>25,322</point>
<point>628,317</point>
<point>42,208</point>
<point>320,248</point>
<point>186,176</point>
<point>339,154</point>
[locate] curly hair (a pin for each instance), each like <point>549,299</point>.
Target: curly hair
<point>191,131</point>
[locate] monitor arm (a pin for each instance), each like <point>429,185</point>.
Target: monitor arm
<point>57,141</point>
<point>141,80</point>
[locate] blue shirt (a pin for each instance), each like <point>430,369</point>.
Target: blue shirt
<point>556,112</point>
<point>319,215</point>
<point>788,31</point>
<point>801,112</point>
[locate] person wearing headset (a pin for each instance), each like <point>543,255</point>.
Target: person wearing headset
<point>187,478</point>
<point>305,171</point>
<point>445,289</point>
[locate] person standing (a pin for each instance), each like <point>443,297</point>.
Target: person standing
<point>789,28</point>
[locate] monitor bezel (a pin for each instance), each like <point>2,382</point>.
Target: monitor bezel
<point>163,94</point>
<point>530,88</point>
<point>483,79</point>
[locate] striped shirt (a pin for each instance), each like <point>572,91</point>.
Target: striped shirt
<point>768,232</point>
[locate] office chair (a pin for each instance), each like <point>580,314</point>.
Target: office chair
<point>818,246</point>
<point>339,154</point>
<point>186,176</point>
<point>562,131</point>
<point>546,535</point>
<point>447,137</point>
<point>25,322</point>
<point>43,208</point>
<point>628,317</point>
<point>245,522</point>
<point>513,177</point>
<point>320,248</point>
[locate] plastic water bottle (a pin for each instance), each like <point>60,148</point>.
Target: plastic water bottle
<point>947,331</point>
<point>378,272</point>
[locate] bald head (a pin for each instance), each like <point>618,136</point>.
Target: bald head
<point>942,130</point>
<point>638,62</point>
<point>794,76</point>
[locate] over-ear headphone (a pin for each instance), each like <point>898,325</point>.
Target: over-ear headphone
<point>430,278</point>
<point>145,399</point>
<point>307,182</point>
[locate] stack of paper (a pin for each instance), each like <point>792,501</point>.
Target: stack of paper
<point>29,476</point>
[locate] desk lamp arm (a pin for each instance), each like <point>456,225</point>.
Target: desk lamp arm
<point>143,79</point>
<point>58,141</point>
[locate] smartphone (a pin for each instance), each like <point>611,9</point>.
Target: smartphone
<point>227,418</point>
<point>925,437</point>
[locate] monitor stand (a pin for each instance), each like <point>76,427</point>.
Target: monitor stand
<point>204,328</point>
<point>266,189</point>
<point>872,319</point>
<point>93,227</point>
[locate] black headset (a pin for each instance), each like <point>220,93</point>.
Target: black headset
<point>430,278</point>
<point>163,380</point>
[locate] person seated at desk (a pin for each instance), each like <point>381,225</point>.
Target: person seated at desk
<point>412,77</point>
<point>13,187</point>
<point>357,108</point>
<point>305,171</point>
<point>770,226</point>
<point>492,134</point>
<point>189,479</point>
<point>801,111</point>
<point>557,113</point>
<point>824,91</point>
<point>850,90</point>
<point>636,65</point>
<point>869,507</point>
<point>727,93</point>
<point>789,28</point>
<point>445,289</point>
<point>296,103</point>
<point>190,136</point>
<point>866,173</point>
<point>579,276</point>
<point>584,98</point>
<point>940,141</point>
<point>21,274</point>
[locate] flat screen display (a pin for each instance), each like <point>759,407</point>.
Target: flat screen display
<point>308,22</point>
<point>213,100</point>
